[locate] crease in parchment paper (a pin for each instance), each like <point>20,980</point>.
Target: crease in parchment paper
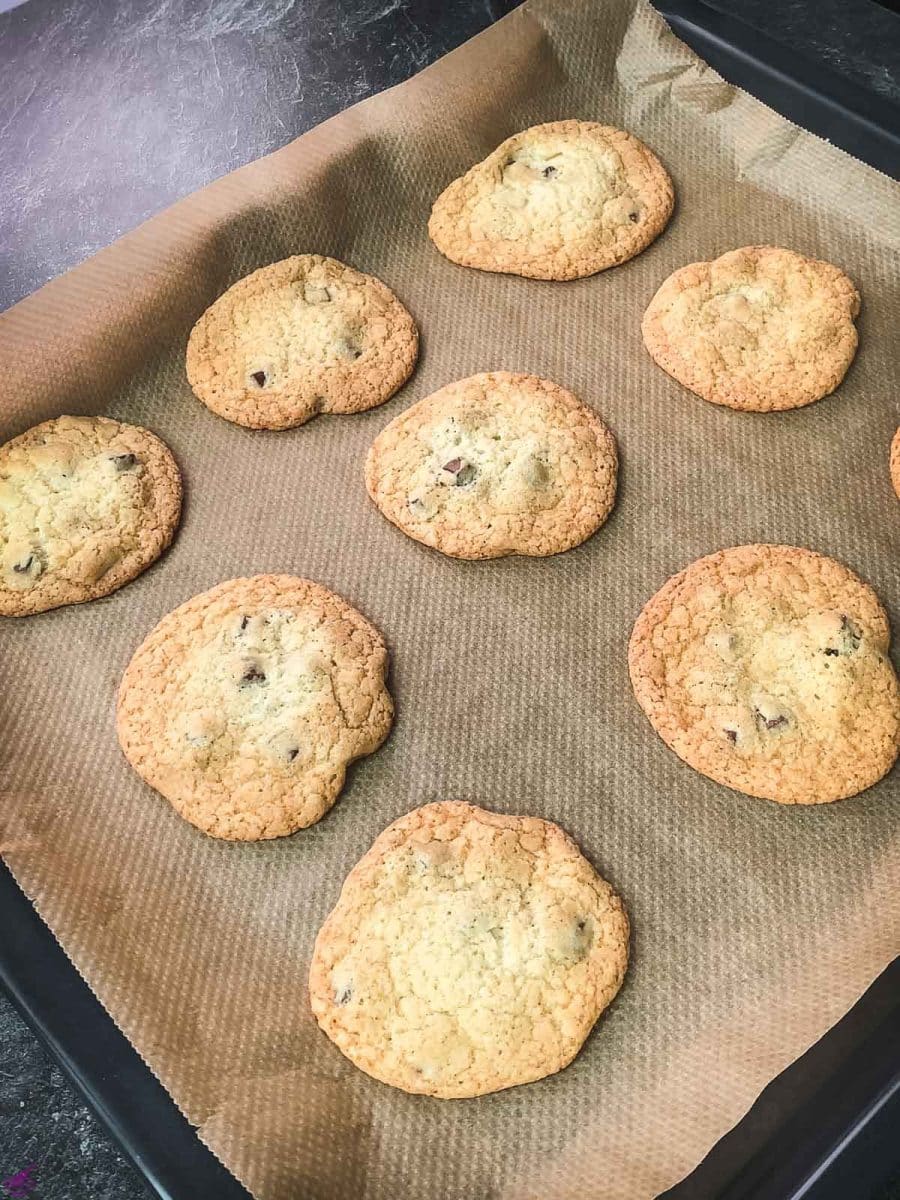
<point>755,926</point>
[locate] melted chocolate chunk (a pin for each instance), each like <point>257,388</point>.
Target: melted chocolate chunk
<point>771,722</point>
<point>458,472</point>
<point>852,634</point>
<point>849,638</point>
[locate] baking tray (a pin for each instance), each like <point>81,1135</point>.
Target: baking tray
<point>825,1129</point>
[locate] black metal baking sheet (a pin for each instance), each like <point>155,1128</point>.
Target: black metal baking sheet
<point>826,1129</point>
<point>804,90</point>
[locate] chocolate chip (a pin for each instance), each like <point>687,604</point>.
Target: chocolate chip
<point>770,722</point>
<point>316,295</point>
<point>852,635</point>
<point>343,995</point>
<point>731,734</point>
<point>124,462</point>
<point>253,674</point>
<point>245,621</point>
<point>30,565</point>
<point>292,753</point>
<point>259,378</point>
<point>579,925</point>
<point>633,217</point>
<point>535,471</point>
<point>549,172</point>
<point>458,472</point>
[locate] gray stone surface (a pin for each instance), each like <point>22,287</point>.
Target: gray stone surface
<point>112,109</point>
<point>47,1131</point>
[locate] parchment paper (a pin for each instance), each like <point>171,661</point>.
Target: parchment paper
<point>756,926</point>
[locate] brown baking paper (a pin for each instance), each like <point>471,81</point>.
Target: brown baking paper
<point>755,926</point>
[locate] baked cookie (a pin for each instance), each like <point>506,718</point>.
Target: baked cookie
<point>244,706</point>
<point>556,201</point>
<point>86,504</point>
<point>766,668</point>
<point>895,462</point>
<point>495,464</point>
<point>303,336</point>
<point>759,329</point>
<point>468,952</point>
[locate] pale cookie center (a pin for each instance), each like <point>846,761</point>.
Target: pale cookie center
<point>455,965</point>
<point>556,189</point>
<point>734,320</point>
<point>752,323</point>
<point>62,510</point>
<point>792,678</point>
<point>478,461</point>
<point>301,327</point>
<point>251,689</point>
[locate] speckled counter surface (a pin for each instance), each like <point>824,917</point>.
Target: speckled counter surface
<point>112,109</point>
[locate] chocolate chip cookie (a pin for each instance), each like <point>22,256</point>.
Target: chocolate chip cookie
<point>86,504</point>
<point>302,336</point>
<point>468,952</point>
<point>495,464</point>
<point>766,668</point>
<point>557,201</point>
<point>244,706</point>
<point>759,329</point>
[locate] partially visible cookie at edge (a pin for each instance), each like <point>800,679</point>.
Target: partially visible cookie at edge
<point>468,952</point>
<point>766,668</point>
<point>245,705</point>
<point>302,336</point>
<point>895,462</point>
<point>760,329</point>
<point>498,463</point>
<point>557,201</point>
<point>86,505</point>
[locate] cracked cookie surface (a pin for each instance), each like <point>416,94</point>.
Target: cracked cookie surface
<point>766,668</point>
<point>468,952</point>
<point>895,462</point>
<point>244,706</point>
<point>556,201</point>
<point>86,504</point>
<point>302,336</point>
<point>495,464</point>
<point>760,329</point>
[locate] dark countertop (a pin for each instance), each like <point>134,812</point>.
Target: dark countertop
<point>112,109</point>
